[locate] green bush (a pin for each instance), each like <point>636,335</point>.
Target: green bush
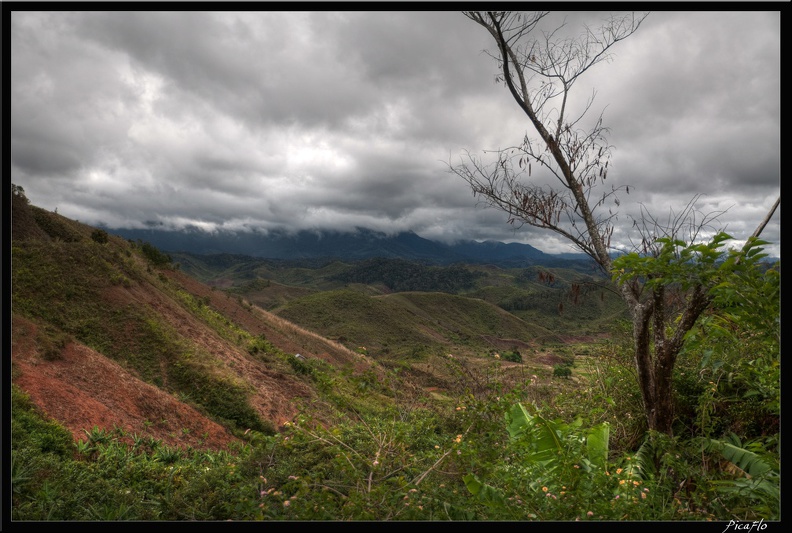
<point>300,365</point>
<point>99,236</point>
<point>28,426</point>
<point>562,371</point>
<point>514,356</point>
<point>154,255</point>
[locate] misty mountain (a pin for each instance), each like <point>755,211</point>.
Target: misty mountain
<point>351,246</point>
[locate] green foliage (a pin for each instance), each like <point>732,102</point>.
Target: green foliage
<point>56,226</point>
<point>756,485</point>
<point>513,355</point>
<point>677,263</point>
<point>154,255</point>
<point>254,285</point>
<point>405,324</point>
<point>560,471</point>
<point>382,451</point>
<point>28,425</point>
<point>120,279</point>
<point>553,470</point>
<point>562,371</point>
<point>300,365</point>
<point>729,377</point>
<point>219,397</point>
<point>400,276</point>
<point>59,284</point>
<point>200,307</point>
<point>260,345</point>
<point>100,236</point>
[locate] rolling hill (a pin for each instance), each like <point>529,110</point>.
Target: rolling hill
<point>113,333</point>
<point>105,334</point>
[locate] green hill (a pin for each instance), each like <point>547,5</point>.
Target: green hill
<point>83,291</point>
<point>411,323</point>
<point>565,302</point>
<point>140,392</point>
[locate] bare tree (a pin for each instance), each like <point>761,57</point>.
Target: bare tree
<point>540,69</point>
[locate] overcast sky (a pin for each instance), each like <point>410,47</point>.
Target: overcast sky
<point>339,120</point>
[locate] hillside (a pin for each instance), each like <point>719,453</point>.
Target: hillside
<point>411,323</point>
<point>141,393</point>
<point>106,333</point>
<point>348,301</point>
<point>112,333</point>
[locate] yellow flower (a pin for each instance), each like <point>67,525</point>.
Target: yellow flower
<point>618,470</point>
<point>544,489</point>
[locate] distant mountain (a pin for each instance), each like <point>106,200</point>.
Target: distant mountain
<point>357,245</point>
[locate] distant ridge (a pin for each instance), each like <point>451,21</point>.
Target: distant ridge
<point>360,244</point>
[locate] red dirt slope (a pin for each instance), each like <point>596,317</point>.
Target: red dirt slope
<point>84,389</point>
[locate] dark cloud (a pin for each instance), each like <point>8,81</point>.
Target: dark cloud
<point>342,119</point>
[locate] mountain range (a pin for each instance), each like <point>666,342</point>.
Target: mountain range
<point>354,245</point>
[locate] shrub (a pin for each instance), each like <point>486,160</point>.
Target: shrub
<point>154,255</point>
<point>99,236</point>
<point>299,365</point>
<point>514,356</point>
<point>29,426</point>
<point>562,371</point>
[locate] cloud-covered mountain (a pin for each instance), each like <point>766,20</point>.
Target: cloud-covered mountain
<point>361,244</point>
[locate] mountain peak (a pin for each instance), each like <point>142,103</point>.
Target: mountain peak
<point>361,243</point>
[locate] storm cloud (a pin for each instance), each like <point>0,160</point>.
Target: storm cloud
<point>336,120</point>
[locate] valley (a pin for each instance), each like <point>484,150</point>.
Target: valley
<point>165,325</point>
<point>155,385</point>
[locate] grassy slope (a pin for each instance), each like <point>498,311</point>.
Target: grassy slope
<point>160,326</point>
<point>108,297</point>
<point>412,323</point>
<point>294,291</point>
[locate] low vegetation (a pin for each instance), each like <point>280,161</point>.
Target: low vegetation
<point>451,418</point>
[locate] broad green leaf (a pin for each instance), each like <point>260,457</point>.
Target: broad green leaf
<point>597,444</point>
<point>520,420</point>
<point>485,493</point>
<point>746,460</point>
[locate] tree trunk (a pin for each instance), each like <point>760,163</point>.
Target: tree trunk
<point>661,414</point>
<point>655,354</point>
